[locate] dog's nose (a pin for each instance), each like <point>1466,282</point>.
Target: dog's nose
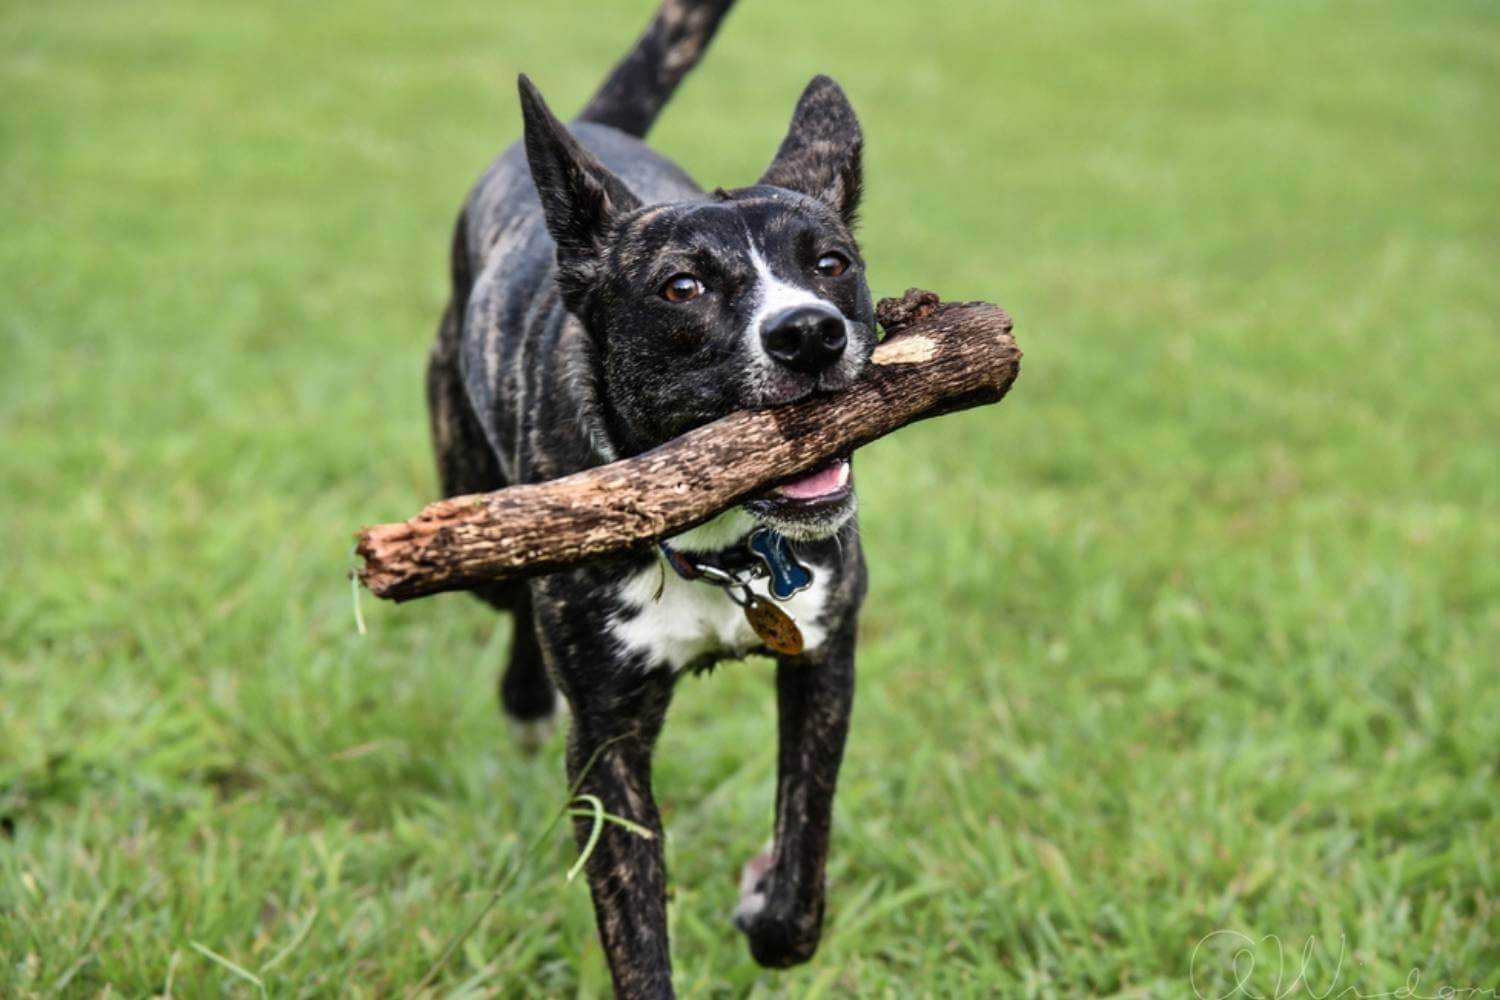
<point>806,339</point>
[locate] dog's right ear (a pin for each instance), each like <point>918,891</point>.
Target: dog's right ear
<point>580,197</point>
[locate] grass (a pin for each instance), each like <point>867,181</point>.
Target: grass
<point>1198,631</point>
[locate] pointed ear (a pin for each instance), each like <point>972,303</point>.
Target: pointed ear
<point>820,155</point>
<point>580,197</point>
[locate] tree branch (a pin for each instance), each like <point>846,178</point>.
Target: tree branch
<point>937,358</point>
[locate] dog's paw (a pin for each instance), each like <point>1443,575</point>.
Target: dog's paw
<point>781,933</point>
<point>531,735</point>
<point>752,890</point>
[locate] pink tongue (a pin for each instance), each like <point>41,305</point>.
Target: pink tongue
<point>814,484</point>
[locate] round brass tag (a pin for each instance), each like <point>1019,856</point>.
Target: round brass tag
<point>774,626</point>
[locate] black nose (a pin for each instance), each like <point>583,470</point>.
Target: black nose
<point>806,339</point>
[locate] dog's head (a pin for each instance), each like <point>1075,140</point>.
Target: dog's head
<point>750,298</point>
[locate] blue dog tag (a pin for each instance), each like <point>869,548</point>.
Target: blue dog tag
<point>788,576</point>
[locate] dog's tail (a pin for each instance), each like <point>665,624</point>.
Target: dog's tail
<point>641,83</point>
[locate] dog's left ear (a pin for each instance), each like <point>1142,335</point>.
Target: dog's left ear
<point>820,155</point>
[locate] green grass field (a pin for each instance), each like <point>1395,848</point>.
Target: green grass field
<point>1199,631</point>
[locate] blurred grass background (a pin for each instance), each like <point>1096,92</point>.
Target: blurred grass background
<point>1198,631</point>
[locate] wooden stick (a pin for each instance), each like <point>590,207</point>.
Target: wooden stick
<point>937,358</point>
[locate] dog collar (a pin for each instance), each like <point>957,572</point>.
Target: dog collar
<point>765,553</point>
<point>777,629</point>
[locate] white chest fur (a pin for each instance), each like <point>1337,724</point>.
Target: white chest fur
<point>692,618</point>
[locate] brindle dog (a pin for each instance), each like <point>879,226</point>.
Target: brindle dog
<point>603,303</point>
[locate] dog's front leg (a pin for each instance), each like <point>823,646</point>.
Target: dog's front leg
<point>617,714</point>
<point>781,906</point>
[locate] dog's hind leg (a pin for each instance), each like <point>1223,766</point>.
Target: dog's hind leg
<point>781,902</point>
<point>525,690</point>
<point>527,695</point>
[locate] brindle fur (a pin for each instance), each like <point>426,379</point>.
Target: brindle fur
<point>555,354</point>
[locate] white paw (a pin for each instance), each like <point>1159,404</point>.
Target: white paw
<point>752,888</point>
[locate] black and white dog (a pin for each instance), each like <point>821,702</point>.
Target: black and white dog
<point>602,304</point>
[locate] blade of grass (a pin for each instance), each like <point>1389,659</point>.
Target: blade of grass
<point>588,847</point>
<point>293,944</point>
<point>225,963</point>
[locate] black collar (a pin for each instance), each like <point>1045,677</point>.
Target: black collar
<point>763,553</point>
<point>736,560</point>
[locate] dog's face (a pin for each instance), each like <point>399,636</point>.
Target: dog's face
<point>754,298</point>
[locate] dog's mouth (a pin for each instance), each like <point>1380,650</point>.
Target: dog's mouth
<point>815,504</point>
<point>828,482</point>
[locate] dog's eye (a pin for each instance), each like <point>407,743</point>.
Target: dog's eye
<point>831,265</point>
<point>681,288</point>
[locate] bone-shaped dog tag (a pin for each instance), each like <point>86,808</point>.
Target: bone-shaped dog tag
<point>774,626</point>
<point>788,576</point>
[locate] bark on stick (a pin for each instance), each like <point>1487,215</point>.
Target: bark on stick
<point>936,358</point>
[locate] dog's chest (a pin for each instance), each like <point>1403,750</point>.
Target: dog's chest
<point>691,619</point>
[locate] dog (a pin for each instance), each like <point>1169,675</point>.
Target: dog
<point>603,303</point>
